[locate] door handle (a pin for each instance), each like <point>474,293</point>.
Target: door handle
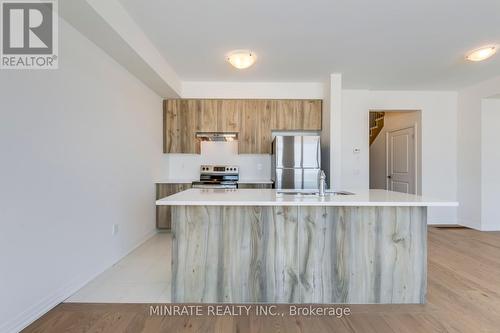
<point>389,177</point>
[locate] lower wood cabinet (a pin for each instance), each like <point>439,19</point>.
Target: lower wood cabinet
<point>255,185</point>
<point>164,213</point>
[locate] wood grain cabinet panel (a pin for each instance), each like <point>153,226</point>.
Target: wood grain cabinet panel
<point>224,254</point>
<point>228,115</point>
<point>266,116</point>
<point>208,115</point>
<point>180,118</point>
<point>311,115</point>
<point>189,115</point>
<point>256,125</point>
<point>171,127</point>
<point>287,115</point>
<point>253,119</point>
<point>297,115</point>
<point>306,255</point>
<point>164,213</point>
<point>248,139</point>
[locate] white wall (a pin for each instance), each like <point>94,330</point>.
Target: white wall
<point>336,130</point>
<point>490,164</point>
<point>258,90</point>
<point>80,148</point>
<point>378,152</point>
<point>469,150</point>
<point>111,28</point>
<point>439,141</point>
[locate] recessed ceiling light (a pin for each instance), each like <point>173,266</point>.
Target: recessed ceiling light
<point>482,53</point>
<point>241,59</point>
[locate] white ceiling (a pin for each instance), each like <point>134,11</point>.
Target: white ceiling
<point>383,44</point>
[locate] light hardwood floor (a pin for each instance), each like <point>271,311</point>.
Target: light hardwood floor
<point>463,296</point>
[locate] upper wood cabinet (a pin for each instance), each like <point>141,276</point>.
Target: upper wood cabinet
<point>287,115</point>
<point>254,120</point>
<point>180,126</point>
<point>208,114</point>
<point>228,115</point>
<point>311,115</point>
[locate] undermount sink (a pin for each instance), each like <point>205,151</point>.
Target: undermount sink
<point>285,192</point>
<point>311,192</point>
<point>340,192</point>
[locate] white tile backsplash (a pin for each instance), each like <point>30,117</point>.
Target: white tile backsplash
<point>187,166</point>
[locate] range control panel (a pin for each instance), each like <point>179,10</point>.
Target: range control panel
<point>219,169</point>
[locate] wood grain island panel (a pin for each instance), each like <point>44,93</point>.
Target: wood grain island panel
<point>290,254</point>
<point>362,255</point>
<point>234,254</point>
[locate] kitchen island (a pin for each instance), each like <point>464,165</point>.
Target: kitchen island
<point>262,246</point>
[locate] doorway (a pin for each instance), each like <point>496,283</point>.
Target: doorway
<point>395,150</point>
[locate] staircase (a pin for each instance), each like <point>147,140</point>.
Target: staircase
<point>376,124</point>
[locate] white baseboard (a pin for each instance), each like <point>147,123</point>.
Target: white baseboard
<point>462,223</point>
<point>37,310</point>
<point>490,228</point>
<point>472,225</point>
<point>441,221</point>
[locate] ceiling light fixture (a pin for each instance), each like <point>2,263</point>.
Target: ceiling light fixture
<point>241,59</point>
<point>482,53</point>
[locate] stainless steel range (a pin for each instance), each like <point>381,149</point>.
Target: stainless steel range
<point>218,176</point>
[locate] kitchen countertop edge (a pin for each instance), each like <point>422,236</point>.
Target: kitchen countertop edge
<point>268,197</point>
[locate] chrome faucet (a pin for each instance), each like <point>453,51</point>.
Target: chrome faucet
<point>322,184</point>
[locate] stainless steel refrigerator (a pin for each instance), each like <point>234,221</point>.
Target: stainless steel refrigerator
<point>296,162</point>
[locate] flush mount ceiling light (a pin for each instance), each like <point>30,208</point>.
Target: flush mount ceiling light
<point>241,59</point>
<point>482,53</point>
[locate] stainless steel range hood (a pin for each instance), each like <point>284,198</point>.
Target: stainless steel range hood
<point>217,136</point>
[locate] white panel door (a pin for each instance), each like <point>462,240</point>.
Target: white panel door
<point>401,168</point>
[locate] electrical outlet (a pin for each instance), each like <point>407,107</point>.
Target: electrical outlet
<point>259,166</point>
<point>114,231</point>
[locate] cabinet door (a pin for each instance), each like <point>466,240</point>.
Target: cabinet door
<point>296,115</point>
<point>228,118</point>
<point>189,113</point>
<point>287,115</point>
<point>255,127</point>
<point>311,115</point>
<point>164,213</point>
<point>208,115</point>
<point>171,126</point>
<point>265,118</point>
<point>249,128</point>
<point>180,125</point>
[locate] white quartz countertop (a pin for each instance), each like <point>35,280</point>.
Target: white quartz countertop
<point>270,197</point>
